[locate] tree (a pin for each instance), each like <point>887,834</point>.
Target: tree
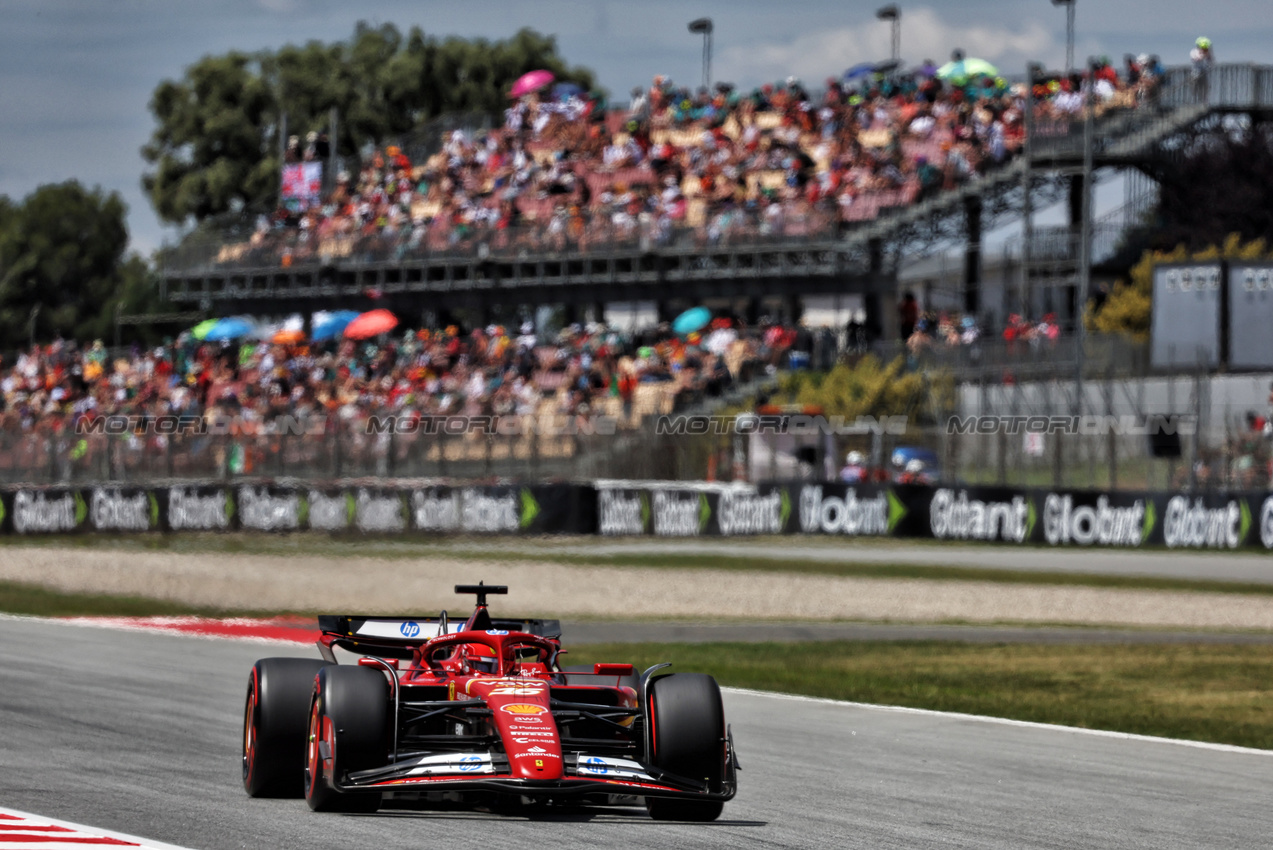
<point>1128,309</point>
<point>871,388</point>
<point>62,265</point>
<point>1215,182</point>
<point>215,147</point>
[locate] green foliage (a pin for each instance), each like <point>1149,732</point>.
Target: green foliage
<point>1127,309</point>
<point>869,388</point>
<point>1201,692</point>
<point>62,251</point>
<point>1219,182</point>
<point>215,146</point>
<point>209,150</point>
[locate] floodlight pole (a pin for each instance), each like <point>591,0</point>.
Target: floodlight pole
<point>893,14</point>
<point>1085,236</point>
<point>1069,32</point>
<point>1032,70</point>
<point>704,26</point>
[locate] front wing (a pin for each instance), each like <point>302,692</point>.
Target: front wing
<point>586,775</point>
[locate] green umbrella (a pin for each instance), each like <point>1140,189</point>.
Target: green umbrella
<point>964,69</point>
<point>200,330</point>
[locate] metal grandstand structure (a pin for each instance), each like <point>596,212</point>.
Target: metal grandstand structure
<point>863,260</point>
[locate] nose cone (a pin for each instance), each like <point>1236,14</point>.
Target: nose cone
<point>525,725</point>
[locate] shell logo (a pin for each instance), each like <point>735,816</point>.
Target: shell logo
<point>521,709</point>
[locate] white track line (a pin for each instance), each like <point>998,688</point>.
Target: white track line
<point>50,834</point>
<point>1004,721</point>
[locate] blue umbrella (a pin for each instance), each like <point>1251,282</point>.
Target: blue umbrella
<point>563,91</point>
<point>691,320</point>
<point>332,325</point>
<point>860,70</point>
<point>231,328</point>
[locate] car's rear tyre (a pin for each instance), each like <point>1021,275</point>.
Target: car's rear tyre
<point>348,731</point>
<point>275,717</point>
<point>687,731</point>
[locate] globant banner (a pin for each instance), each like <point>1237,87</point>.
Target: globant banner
<point>726,510</point>
<point>534,509</point>
<point>670,510</point>
<point>1060,518</point>
<point>1064,518</point>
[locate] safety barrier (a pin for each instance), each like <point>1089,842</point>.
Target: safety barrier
<point>1014,516</point>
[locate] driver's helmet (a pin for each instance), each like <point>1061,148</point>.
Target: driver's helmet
<point>854,458</point>
<point>915,466</point>
<point>1203,43</point>
<point>480,658</point>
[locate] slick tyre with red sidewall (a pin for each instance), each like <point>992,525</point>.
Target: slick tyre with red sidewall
<point>275,718</point>
<point>687,738</point>
<point>348,731</point>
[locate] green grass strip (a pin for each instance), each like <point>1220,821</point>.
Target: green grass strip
<point>1204,692</point>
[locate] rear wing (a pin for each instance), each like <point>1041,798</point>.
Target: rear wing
<point>396,637</point>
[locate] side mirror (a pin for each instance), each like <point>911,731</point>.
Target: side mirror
<point>378,663</point>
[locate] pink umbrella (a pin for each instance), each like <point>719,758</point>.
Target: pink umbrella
<point>532,81</point>
<point>370,324</point>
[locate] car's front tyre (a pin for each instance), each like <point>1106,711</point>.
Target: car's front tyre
<point>687,732</point>
<point>348,731</point>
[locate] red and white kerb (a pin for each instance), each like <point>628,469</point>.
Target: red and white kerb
<point>24,831</point>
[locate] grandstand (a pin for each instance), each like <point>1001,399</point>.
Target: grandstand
<point>725,199</point>
<point>779,193</point>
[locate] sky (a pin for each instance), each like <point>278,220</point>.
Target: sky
<point>76,76</point>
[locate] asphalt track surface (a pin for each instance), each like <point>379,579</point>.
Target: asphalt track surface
<point>139,733</point>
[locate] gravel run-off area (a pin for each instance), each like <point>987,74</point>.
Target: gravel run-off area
<point>373,585</point>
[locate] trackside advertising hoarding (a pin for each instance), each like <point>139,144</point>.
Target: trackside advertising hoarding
<point>527,509</point>
<point>1070,518</point>
<point>1064,518</point>
<point>679,510</point>
<point>729,510</point>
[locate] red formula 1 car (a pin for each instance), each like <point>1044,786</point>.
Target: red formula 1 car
<point>435,712</point>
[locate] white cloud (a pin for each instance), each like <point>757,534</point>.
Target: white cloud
<point>818,55</point>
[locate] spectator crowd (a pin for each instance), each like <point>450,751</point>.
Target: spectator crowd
<point>714,166</point>
<point>68,410</point>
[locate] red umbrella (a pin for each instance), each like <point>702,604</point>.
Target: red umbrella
<point>370,324</point>
<point>531,81</point>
